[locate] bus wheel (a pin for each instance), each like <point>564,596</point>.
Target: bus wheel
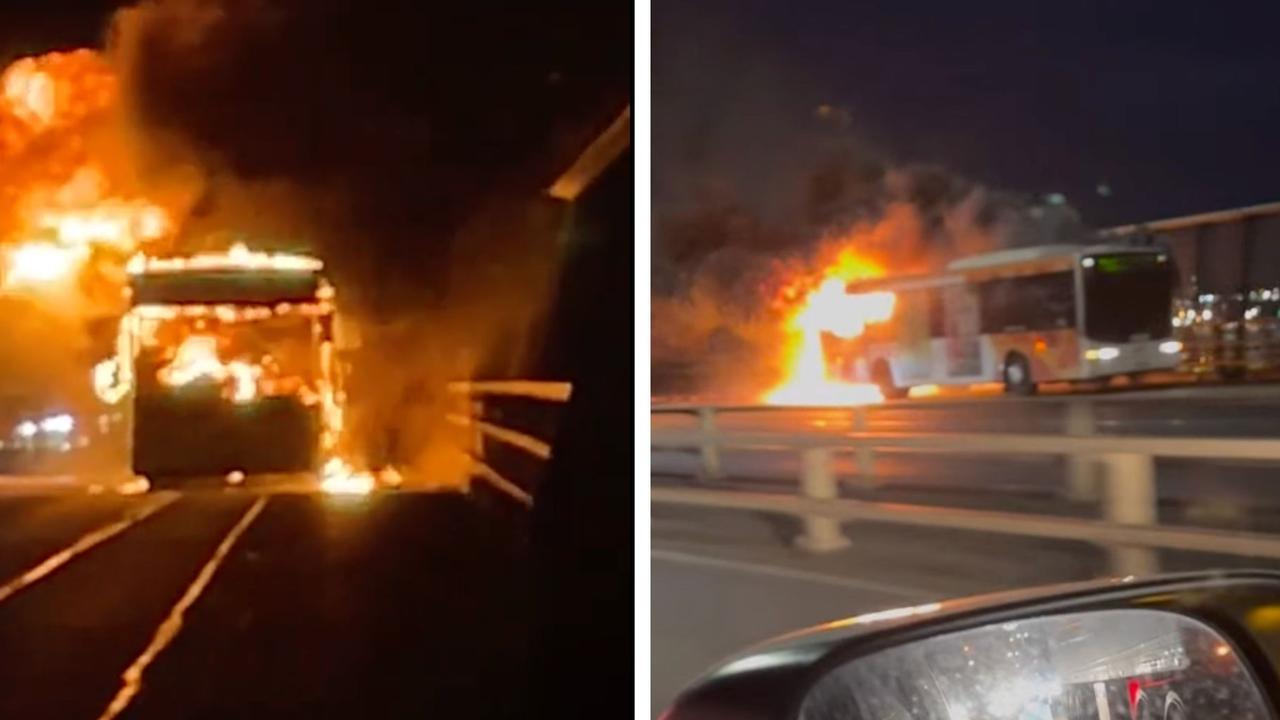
<point>1017,375</point>
<point>881,376</point>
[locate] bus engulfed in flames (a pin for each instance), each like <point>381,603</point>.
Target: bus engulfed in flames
<point>232,354</point>
<point>215,352</point>
<point>814,309</point>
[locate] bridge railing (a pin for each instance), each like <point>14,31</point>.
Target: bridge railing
<point>483,419</point>
<point>1129,525</point>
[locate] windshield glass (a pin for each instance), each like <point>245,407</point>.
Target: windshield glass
<point>1127,297</point>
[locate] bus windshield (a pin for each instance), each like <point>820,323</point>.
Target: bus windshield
<point>1127,296</point>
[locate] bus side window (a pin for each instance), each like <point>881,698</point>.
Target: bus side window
<point>996,305</point>
<point>1032,302</point>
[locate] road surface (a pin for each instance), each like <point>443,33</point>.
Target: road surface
<point>212,604</point>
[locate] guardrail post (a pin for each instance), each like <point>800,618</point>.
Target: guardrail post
<point>1130,499</point>
<point>710,450</point>
<point>864,453</point>
<point>1082,478</point>
<point>818,482</point>
<point>477,435</point>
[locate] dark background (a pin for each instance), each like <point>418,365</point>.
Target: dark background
<point>437,130</point>
<point>1170,104</point>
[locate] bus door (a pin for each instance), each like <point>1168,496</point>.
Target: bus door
<point>914,345</point>
<point>961,328</point>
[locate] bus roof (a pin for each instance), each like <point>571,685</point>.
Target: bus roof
<point>1001,263</point>
<point>1038,253</point>
<point>232,287</point>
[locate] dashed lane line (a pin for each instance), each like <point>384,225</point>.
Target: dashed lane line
<point>172,625</point>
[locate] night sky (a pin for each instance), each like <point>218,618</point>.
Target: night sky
<point>1174,106</point>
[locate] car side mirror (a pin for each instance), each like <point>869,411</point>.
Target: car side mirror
<point>1131,664</point>
<point>1176,648</point>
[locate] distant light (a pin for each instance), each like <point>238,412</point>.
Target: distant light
<point>235,477</point>
<point>1104,190</point>
<point>1171,347</point>
<point>1088,262</point>
<point>26,429</point>
<point>61,423</point>
<point>1056,199</point>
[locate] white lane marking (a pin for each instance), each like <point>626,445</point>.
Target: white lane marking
<point>790,574</point>
<point>172,625</point>
<point>86,542</point>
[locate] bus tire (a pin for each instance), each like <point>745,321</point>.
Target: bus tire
<point>883,378</point>
<point>1017,375</point>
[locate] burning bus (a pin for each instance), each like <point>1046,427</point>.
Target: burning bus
<point>229,358</point>
<point>1019,317</point>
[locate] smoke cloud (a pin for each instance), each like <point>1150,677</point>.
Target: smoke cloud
<point>759,179</point>
<point>410,150</point>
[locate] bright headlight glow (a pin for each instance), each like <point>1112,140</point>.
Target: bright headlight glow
<point>1171,347</point>
<point>1102,353</point>
<point>26,429</point>
<point>61,423</point>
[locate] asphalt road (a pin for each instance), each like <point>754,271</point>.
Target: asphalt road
<point>215,603</point>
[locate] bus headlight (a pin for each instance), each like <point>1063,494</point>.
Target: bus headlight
<point>1171,347</point>
<point>1102,353</point>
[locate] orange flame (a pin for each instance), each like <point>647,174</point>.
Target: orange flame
<point>239,257</point>
<point>824,307</point>
<point>58,206</point>
<point>38,263</point>
<point>197,359</point>
<point>338,477</point>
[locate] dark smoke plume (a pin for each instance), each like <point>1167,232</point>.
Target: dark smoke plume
<point>757,175</point>
<point>407,144</point>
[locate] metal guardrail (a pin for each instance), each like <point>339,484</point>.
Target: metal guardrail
<point>1129,526</point>
<point>475,392</point>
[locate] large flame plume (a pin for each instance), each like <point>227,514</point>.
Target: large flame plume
<point>816,304</point>
<point>68,216</point>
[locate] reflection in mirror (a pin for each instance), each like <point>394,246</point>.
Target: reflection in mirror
<point>1103,665</point>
